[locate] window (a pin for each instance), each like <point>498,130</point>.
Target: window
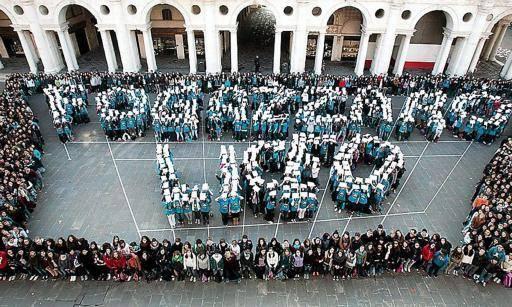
<point>288,10</point>
<point>223,9</point>
<point>132,9</point>
<point>379,13</point>
<point>196,9</point>
<point>166,14</point>
<point>467,17</point>
<point>406,14</point>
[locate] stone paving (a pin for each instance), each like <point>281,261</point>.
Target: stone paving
<point>83,195</point>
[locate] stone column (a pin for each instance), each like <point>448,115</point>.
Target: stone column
<point>277,52</point>
<point>192,54</point>
<point>3,51</point>
<point>180,48</point>
<point>476,56</point>
<point>72,49</point>
<point>497,43</point>
<point>361,55</point>
<point>442,57</point>
<point>383,57</point>
<point>474,43</point>
<point>319,55</point>
<point>108,48</point>
<point>51,39</point>
<point>385,53</point>
<point>454,67</point>
<point>211,38</point>
<point>67,49</point>
<point>128,57</point>
<point>506,67</point>
<point>28,49</point>
<point>490,44</point>
<point>300,42</point>
<point>402,54</point>
<point>148,47</point>
<point>376,57</point>
<point>132,35</point>
<point>46,46</point>
<point>337,48</point>
<point>507,74</point>
<point>234,50</point>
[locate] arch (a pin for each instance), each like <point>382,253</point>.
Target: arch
<point>8,13</point>
<point>449,14</point>
<point>268,4</point>
<point>497,19</point>
<point>61,9</point>
<point>364,12</point>
<point>148,7</point>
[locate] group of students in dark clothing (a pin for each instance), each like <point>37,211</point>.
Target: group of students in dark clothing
<point>337,256</point>
<point>488,228</point>
<point>486,254</point>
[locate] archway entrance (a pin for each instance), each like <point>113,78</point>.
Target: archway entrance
<point>431,45</point>
<point>14,46</point>
<point>255,37</point>
<point>169,39</point>
<point>495,54</point>
<point>342,40</point>
<point>86,43</point>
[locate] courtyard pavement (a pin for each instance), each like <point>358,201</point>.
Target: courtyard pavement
<point>96,189</point>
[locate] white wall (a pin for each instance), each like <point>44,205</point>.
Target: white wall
<point>422,53</point>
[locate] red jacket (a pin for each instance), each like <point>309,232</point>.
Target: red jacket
<point>3,260</point>
<point>427,253</point>
<point>118,263</point>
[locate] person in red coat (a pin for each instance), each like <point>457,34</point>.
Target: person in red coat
<point>3,264</point>
<point>427,253</point>
<point>118,266</point>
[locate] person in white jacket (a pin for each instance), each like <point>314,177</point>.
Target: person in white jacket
<point>190,264</point>
<point>272,264</point>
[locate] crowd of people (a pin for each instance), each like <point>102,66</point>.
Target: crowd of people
<point>67,107</point>
<point>335,256</point>
<point>488,228</point>
<point>182,203</point>
<point>365,194</point>
<point>230,198</point>
<point>484,256</point>
<point>294,198</point>
<point>176,114</point>
<point>478,116</point>
<point>124,113</point>
<point>260,106</point>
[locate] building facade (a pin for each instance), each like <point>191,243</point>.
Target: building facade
<point>382,36</point>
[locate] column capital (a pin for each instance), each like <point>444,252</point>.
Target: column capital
<point>195,28</point>
<point>105,27</point>
<point>366,31</point>
<point>406,32</point>
<point>56,27</point>
<point>449,33</point>
<point>229,28</point>
<point>19,27</point>
<point>145,27</point>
